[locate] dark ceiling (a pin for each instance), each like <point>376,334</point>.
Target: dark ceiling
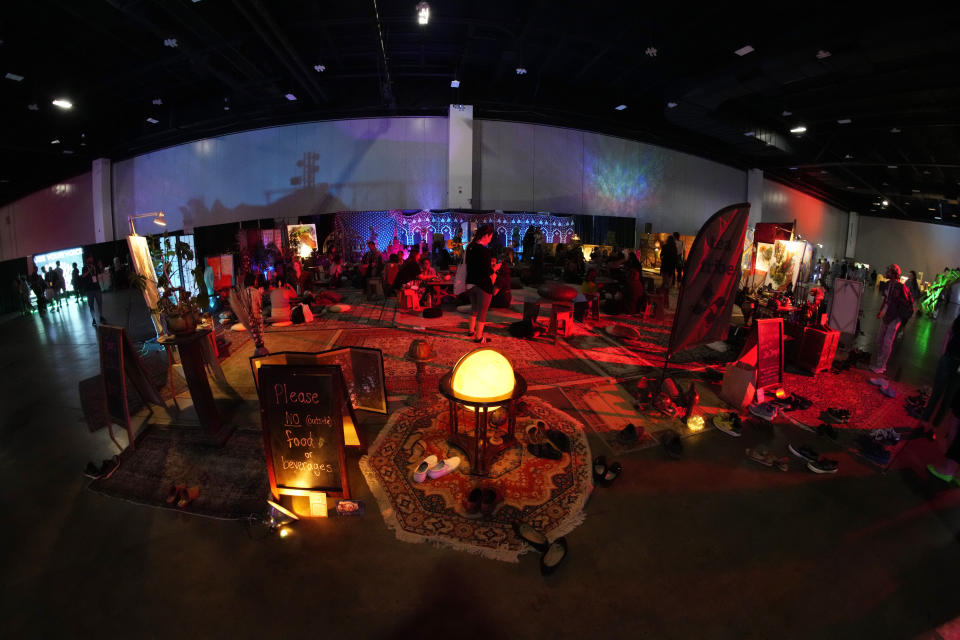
<point>892,75</point>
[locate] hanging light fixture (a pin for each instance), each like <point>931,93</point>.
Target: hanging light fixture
<point>423,13</point>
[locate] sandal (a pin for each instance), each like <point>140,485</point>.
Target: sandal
<point>187,496</point>
<point>768,459</point>
<point>173,494</point>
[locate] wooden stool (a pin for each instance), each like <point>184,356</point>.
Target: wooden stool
<point>407,300</point>
<point>593,305</point>
<point>561,314</point>
<point>531,309</point>
<point>374,288</point>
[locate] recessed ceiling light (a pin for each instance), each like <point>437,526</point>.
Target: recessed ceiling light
<point>152,120</point>
<point>521,71</point>
<point>157,101</point>
<point>823,171</point>
<point>787,114</point>
<point>68,152</point>
<point>885,203</point>
<point>844,121</point>
<point>620,107</point>
<point>171,42</point>
<point>793,168</point>
<point>423,13</point>
<point>891,166</point>
<point>799,129</point>
<point>848,157</point>
<point>55,141</point>
<point>823,54</point>
<point>850,186</point>
<point>915,190</point>
<point>895,130</point>
<point>455,84</point>
<point>319,68</point>
<point>291,97</point>
<point>750,134</point>
<point>671,105</point>
<point>63,103</point>
<point>13,76</point>
<point>744,50</point>
<point>33,107</point>
<point>651,52</point>
<point>937,218</point>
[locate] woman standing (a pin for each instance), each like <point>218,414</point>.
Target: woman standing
<point>481,270</point>
<point>946,380</point>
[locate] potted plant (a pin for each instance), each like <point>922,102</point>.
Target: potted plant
<point>179,308</point>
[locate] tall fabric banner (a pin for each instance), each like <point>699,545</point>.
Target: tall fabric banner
<point>710,280</point>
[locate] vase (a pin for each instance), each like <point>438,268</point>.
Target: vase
<point>182,325</point>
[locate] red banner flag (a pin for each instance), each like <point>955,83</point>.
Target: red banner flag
<point>710,279</point>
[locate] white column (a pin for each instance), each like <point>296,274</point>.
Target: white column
<point>853,222</point>
<point>755,196</point>
<point>460,159</point>
<point>102,200</point>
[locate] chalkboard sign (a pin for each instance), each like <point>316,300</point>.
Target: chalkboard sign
<point>302,411</point>
<point>769,352</point>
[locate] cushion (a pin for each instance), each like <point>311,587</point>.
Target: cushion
<point>623,331</point>
<point>282,323</point>
<point>238,327</point>
<point>338,308</point>
<point>557,291</point>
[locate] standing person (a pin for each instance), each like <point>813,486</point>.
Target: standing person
<point>896,305</point>
<point>61,283</point>
<point>50,289</point>
<point>371,266</point>
<point>668,263</point>
<point>35,280</point>
<point>913,286</point>
<point>947,470</point>
<point>90,283</point>
<point>946,381</point>
<point>481,270</point>
<point>681,256</point>
<point>75,283</point>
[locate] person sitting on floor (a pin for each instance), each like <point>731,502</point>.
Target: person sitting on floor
<point>409,270</point>
<point>280,301</point>
<point>390,272</point>
<point>502,295</point>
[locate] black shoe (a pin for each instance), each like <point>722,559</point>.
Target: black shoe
<point>544,451</point>
<point>560,440</point>
<point>628,434</point>
<point>553,556</point>
<point>804,453</point>
<point>612,473</point>
<point>109,467</point>
<point>531,536</point>
<point>672,443</point>
<point>599,468</point>
<point>827,430</point>
<point>92,471</point>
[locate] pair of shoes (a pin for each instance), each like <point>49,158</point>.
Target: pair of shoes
<point>837,416</point>
<point>182,495</point>
<point>765,410</point>
<point>104,471</point>
<point>545,451</point>
<point>631,433</point>
<point>768,459</point>
<point>553,552</point>
<point>873,450</point>
<point>823,465</point>
<point>729,423</point>
<point>672,443</point>
<point>804,453</point>
<point>482,501</point>
<point>604,474</point>
<point>883,383</point>
<point>887,436</point>
<point>431,467</point>
<point>540,434</point>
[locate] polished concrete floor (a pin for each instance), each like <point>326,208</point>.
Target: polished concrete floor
<point>709,546</point>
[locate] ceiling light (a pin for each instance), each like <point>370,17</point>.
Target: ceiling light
<point>157,101</point>
<point>926,173</point>
<point>823,54</point>
<point>749,134</point>
<point>152,120</point>
<point>823,171</point>
<point>620,107</point>
<point>33,107</point>
<point>68,152</point>
<point>742,51</point>
<point>170,42</point>
<point>937,218</point>
<point>55,141</point>
<point>423,13</point>
<point>800,129</point>
<point>848,157</point>
<point>13,76</point>
<point>793,168</point>
<point>319,68</point>
<point>931,209</point>
<point>844,121</point>
<point>850,186</point>
<point>63,103</point>
<point>521,71</point>
<point>291,97</point>
<point>894,130</point>
<point>891,166</point>
<point>787,114</point>
<point>885,203</point>
<point>671,105</point>
<point>455,84</point>
<point>651,52</point>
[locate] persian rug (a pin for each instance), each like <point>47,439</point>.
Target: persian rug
<point>232,479</point>
<point>547,494</point>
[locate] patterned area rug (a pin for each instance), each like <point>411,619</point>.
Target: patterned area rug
<point>549,495</point>
<point>540,361</point>
<point>232,479</point>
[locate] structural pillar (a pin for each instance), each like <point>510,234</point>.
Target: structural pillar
<point>460,158</point>
<point>853,224</point>
<point>102,190</point>
<point>755,196</point>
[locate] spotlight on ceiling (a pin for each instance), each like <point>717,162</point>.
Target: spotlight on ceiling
<point>799,129</point>
<point>521,71</point>
<point>750,134</point>
<point>55,141</point>
<point>319,68</point>
<point>895,130</point>
<point>885,202</point>
<point>157,101</point>
<point>620,107</point>
<point>651,52</point>
<point>671,105</point>
<point>13,76</point>
<point>423,13</point>
<point>152,120</point>
<point>787,114</point>
<point>171,42</point>
<point>744,50</point>
<point>891,166</point>
<point>63,103</point>
<point>823,54</point>
<point>455,84</point>
<point>844,121</point>
<point>33,107</point>
<point>291,97</point>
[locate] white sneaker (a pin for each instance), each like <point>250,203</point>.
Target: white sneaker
<point>444,467</point>
<point>420,474</point>
<point>878,370</point>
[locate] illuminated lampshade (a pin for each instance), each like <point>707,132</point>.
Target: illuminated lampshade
<point>483,375</point>
<point>304,250</point>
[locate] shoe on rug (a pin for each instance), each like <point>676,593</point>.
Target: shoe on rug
<point>553,556</point>
<point>420,474</point>
<point>729,423</point>
<point>940,476</point>
<point>883,383</point>
<point>559,439</point>
<point>804,453</point>
<point>531,536</point>
<point>672,443</point>
<point>544,451</point>
<point>472,504</point>
<point>92,471</point>
<point>837,416</point>
<point>823,465</point>
<point>489,500</point>
<point>109,467</point>
<point>599,468</point>
<point>610,474</point>
<point>628,433</point>
<point>535,434</point>
<point>765,410</point>
<point>443,467</point>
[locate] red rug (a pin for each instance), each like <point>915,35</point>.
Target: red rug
<point>549,495</point>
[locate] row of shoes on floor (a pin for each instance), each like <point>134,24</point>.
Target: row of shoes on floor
<point>552,552</point>
<point>106,469</point>
<point>668,399</point>
<point>548,444</point>
<point>814,461</point>
<point>181,495</point>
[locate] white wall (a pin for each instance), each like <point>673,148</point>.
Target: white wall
<point>369,164</point>
<point>540,168</point>
<point>817,221</point>
<point>913,245</point>
<point>57,217</point>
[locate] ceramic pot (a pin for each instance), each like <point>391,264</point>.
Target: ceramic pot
<point>182,325</point>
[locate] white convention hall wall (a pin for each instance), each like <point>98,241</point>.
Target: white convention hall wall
<point>817,222</point>
<point>916,246</point>
<point>57,217</point>
<point>541,168</point>
<point>289,171</point>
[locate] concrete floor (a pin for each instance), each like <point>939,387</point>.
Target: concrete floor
<point>710,546</point>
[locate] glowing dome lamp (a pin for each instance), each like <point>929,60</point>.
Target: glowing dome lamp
<point>483,375</point>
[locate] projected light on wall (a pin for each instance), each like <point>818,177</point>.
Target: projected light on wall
<point>623,188</point>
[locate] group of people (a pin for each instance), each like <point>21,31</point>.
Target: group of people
<point>49,287</point>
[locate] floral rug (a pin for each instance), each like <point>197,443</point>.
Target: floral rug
<point>549,495</point>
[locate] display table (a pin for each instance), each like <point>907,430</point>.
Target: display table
<point>477,447</point>
<point>191,348</point>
